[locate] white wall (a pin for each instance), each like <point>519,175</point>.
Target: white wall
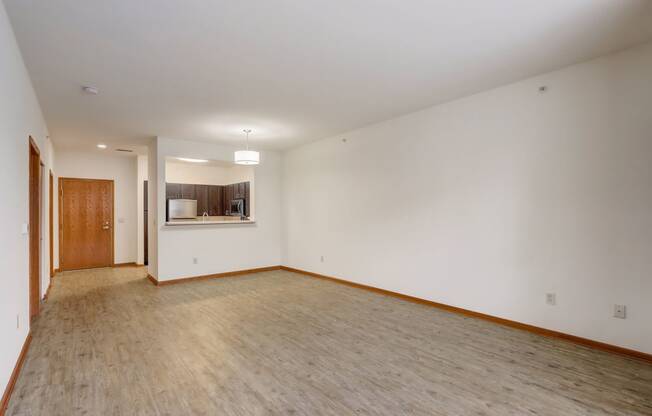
<point>207,174</point>
<point>20,117</point>
<point>123,171</point>
<point>219,248</point>
<point>489,202</point>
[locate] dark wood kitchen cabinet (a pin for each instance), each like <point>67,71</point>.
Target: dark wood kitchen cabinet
<point>188,191</point>
<point>239,190</point>
<point>172,191</point>
<point>247,198</point>
<point>228,196</point>
<point>201,194</point>
<point>215,200</point>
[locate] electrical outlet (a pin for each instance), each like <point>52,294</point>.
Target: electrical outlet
<point>195,260</point>
<point>551,299</point>
<point>620,311</point>
<point>322,259</point>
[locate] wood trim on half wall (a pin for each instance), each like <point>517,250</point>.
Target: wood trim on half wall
<point>210,276</point>
<point>501,321</point>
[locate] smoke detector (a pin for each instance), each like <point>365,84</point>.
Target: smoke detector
<point>90,90</point>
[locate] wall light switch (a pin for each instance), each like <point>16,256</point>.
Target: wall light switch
<point>24,228</point>
<point>551,299</point>
<point>121,220</point>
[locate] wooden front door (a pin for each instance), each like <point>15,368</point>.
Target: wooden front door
<point>34,229</point>
<point>85,223</point>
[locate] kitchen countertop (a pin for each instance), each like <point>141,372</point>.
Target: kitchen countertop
<point>210,220</point>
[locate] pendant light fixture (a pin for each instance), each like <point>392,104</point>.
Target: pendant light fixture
<point>247,157</point>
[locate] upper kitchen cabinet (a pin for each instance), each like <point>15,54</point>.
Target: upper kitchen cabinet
<point>239,190</point>
<point>201,194</point>
<point>215,200</point>
<point>228,196</point>
<point>188,191</point>
<point>173,191</point>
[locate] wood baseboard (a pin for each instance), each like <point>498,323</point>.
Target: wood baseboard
<point>14,376</point>
<point>47,291</point>
<point>506,322</point>
<point>211,276</point>
<point>129,264</point>
<point>152,279</point>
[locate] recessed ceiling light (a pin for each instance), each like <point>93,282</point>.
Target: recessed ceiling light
<point>101,146</point>
<point>187,159</point>
<point>90,90</point>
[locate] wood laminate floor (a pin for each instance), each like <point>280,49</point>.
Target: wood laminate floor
<point>108,342</point>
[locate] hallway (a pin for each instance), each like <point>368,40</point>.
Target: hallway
<point>110,343</point>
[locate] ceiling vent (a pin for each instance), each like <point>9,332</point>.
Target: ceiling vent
<point>124,150</point>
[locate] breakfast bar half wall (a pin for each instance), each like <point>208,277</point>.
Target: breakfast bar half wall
<point>215,245</point>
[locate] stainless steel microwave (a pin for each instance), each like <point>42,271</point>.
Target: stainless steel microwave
<point>182,208</point>
<point>237,207</point>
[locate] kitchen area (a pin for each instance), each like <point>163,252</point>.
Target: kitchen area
<point>204,192</point>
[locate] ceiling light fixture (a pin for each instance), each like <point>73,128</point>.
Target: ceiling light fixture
<point>187,159</point>
<point>101,146</point>
<point>247,157</point>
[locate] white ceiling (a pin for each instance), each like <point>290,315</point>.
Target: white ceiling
<point>291,70</point>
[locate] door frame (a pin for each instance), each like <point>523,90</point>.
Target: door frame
<point>35,196</point>
<point>146,223</point>
<point>51,222</point>
<point>112,225</point>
